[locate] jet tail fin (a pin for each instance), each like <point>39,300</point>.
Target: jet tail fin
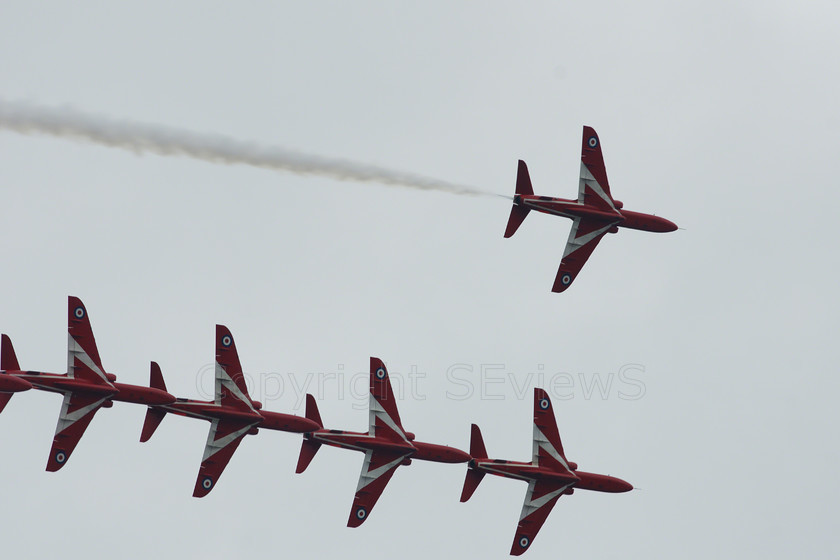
<point>474,476</point>
<point>309,447</point>
<point>312,410</point>
<point>518,213</point>
<point>8,362</point>
<point>477,449</point>
<point>156,377</point>
<point>154,416</point>
<point>8,359</point>
<point>307,453</point>
<point>523,179</point>
<point>472,481</point>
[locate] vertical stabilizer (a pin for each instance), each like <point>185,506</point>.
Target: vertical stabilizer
<point>8,359</point>
<point>474,476</point>
<point>518,213</point>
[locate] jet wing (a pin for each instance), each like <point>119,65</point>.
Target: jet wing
<point>594,188</point>
<point>230,387</point>
<point>383,416</point>
<point>539,501</point>
<point>223,439</point>
<point>377,470</point>
<point>77,411</point>
<point>585,235</point>
<point>547,447</point>
<point>82,355</point>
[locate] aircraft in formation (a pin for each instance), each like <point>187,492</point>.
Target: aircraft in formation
<point>594,214</point>
<point>86,386</point>
<point>232,414</point>
<point>386,444</point>
<point>549,474</point>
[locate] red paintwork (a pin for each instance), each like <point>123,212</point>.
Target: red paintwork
<point>574,209</point>
<point>142,395</point>
<point>286,422</point>
<point>439,453</point>
<point>363,442</point>
<point>233,414</point>
<point>550,475</point>
<point>13,384</point>
<point>386,444</point>
<point>595,213</point>
<point>86,387</point>
<point>602,483</point>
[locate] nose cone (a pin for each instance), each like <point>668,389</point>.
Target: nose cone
<point>440,453</point>
<point>159,396</point>
<point>13,384</point>
<point>668,226</point>
<point>622,485</point>
<point>602,483</point>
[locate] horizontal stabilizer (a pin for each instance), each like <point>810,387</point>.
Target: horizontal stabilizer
<point>474,476</point>
<point>154,416</point>
<point>523,180</point>
<point>517,216</point>
<point>307,453</point>
<point>471,483</point>
<point>312,410</point>
<point>518,213</point>
<point>4,400</point>
<point>8,359</point>
<point>477,449</point>
<point>156,377</point>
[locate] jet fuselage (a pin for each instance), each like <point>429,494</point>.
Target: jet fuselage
<point>574,209</point>
<point>527,471</point>
<point>209,410</point>
<point>123,392</point>
<point>365,442</point>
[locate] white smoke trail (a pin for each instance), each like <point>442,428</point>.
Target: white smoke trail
<point>28,118</point>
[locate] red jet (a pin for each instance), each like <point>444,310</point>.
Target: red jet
<point>232,414</point>
<point>549,474</point>
<point>386,444</point>
<point>86,387</point>
<point>594,214</point>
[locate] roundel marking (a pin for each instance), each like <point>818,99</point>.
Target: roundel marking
<point>524,542</point>
<point>226,340</point>
<point>593,142</point>
<point>60,456</point>
<point>380,373</point>
<point>544,404</point>
<point>361,513</point>
<point>566,279</point>
<point>207,483</point>
<point>79,312</point>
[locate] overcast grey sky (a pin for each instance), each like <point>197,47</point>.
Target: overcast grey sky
<point>713,345</point>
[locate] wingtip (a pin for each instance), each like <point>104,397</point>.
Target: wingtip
<point>376,363</point>
<point>203,486</point>
<point>357,517</point>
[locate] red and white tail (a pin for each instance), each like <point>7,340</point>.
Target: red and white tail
<point>518,213</point>
<point>477,452</point>
<point>548,449</point>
